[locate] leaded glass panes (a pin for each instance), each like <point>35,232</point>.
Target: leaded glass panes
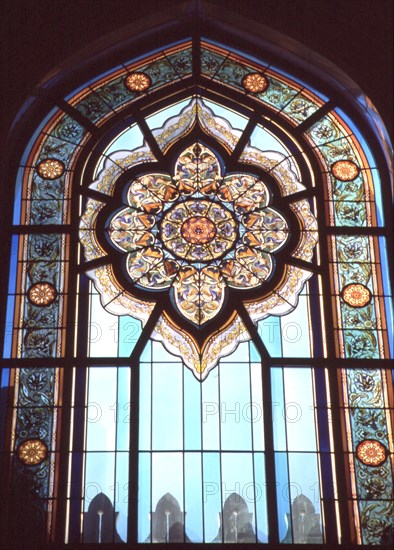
<point>229,284</point>
<point>209,440</point>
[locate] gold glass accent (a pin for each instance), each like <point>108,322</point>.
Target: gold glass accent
<point>255,82</point>
<point>371,452</point>
<point>198,230</point>
<point>138,82</point>
<point>41,294</point>
<point>345,170</point>
<point>356,295</point>
<point>50,169</point>
<point>32,452</point>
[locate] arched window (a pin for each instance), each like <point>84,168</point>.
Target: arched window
<point>198,321</point>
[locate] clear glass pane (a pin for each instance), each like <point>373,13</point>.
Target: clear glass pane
<point>235,410</point>
<point>299,410</point>
<point>101,409</point>
<point>167,418</point>
<point>193,497</point>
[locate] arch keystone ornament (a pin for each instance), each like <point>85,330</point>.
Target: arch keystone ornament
<point>196,240</point>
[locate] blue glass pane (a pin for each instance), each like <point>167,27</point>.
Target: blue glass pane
<point>192,411</point>
<point>146,355</point>
<point>125,410</point>
<point>235,50</point>
<point>304,480</point>
<point>129,332</point>
<point>235,119</point>
<point>256,410</point>
<point>103,334</point>
<point>235,410</point>
<point>167,477</point>
<point>385,266</point>
<point>145,406</point>
<point>261,497</point>
<point>210,411</point>
<point>238,478</point>
<point>122,493</point>
<point>239,355</point>
<point>159,353</point>
<point>99,476</point>
<point>18,197</point>
<point>389,316</point>
<point>101,409</point>
<point>254,354</point>
<point>5,378</point>
<point>211,494</point>
<point>270,332</point>
<point>193,497</point>
<point>282,493</point>
<point>167,426</point>
<point>144,502</point>
<point>278,409</point>
<point>378,197</point>
<point>299,410</point>
<point>13,264</point>
<point>128,140</point>
<point>265,141</point>
<point>295,331</point>
<point>9,326</point>
<point>157,120</point>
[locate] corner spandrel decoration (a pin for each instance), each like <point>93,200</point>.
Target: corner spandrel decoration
<point>200,240</point>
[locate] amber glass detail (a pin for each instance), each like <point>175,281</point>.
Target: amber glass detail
<point>255,82</point>
<point>371,452</point>
<point>41,294</point>
<point>356,295</point>
<point>50,169</point>
<point>32,451</point>
<point>198,230</point>
<point>345,170</point>
<point>138,82</point>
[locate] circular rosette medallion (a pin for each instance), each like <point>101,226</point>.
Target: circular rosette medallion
<point>255,82</point>
<point>41,294</point>
<point>345,170</point>
<point>32,451</point>
<point>138,82</point>
<point>356,295</point>
<point>198,230</point>
<point>371,452</point>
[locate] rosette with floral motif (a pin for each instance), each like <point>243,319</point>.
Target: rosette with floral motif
<point>198,233</point>
<point>198,241</point>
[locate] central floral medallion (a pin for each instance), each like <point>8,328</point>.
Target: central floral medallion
<point>197,250</point>
<point>198,230</point>
<point>206,225</point>
<point>198,234</point>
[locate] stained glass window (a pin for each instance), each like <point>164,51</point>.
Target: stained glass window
<point>198,321</point>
